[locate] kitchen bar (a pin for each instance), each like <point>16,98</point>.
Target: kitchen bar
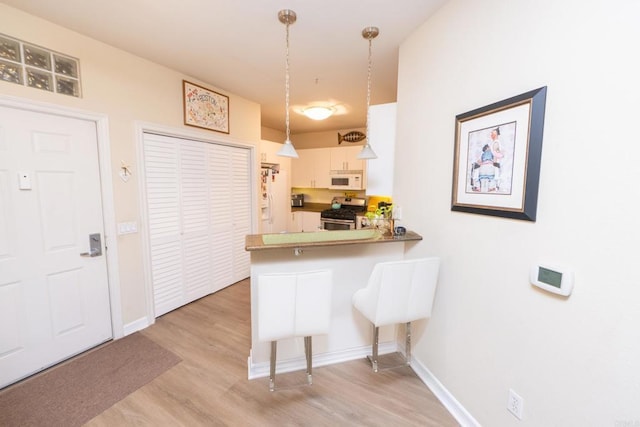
<point>351,256</point>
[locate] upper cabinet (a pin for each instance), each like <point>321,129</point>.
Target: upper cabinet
<point>382,137</point>
<point>346,158</point>
<point>311,168</point>
<point>268,152</point>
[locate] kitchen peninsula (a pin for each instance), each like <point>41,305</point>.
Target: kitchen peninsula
<point>351,256</point>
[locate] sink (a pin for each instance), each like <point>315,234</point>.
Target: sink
<point>319,236</point>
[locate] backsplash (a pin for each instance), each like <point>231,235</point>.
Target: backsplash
<point>323,195</point>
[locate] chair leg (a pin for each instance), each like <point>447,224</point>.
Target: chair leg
<point>309,354</point>
<point>408,344</point>
<point>374,350</point>
<point>272,366</point>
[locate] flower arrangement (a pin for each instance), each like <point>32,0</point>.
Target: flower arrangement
<point>382,217</point>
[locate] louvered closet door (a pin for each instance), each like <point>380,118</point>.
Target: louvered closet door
<point>197,203</point>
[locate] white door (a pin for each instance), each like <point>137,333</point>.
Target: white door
<point>54,303</point>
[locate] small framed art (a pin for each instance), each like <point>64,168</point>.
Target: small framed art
<point>205,108</point>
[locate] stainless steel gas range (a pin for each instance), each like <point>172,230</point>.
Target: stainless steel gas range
<point>349,216</point>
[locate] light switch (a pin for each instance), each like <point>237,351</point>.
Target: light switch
<point>127,227</point>
<point>24,180</point>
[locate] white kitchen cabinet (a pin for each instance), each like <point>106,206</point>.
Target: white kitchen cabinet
<point>382,137</point>
<point>311,168</point>
<point>268,150</point>
<point>304,221</point>
<point>345,158</point>
<point>310,221</point>
<point>295,223</point>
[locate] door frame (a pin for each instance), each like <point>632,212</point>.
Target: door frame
<point>145,127</point>
<point>106,188</point>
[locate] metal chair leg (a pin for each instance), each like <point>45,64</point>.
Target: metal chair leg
<point>408,344</point>
<point>374,350</point>
<point>309,354</point>
<point>272,366</point>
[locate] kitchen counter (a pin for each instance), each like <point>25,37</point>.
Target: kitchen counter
<point>311,207</point>
<point>258,242</point>
<point>351,256</point>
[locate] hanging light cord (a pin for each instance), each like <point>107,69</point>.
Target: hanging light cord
<point>286,86</point>
<point>368,90</point>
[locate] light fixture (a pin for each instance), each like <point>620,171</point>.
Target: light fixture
<point>318,112</point>
<point>367,152</point>
<point>287,17</point>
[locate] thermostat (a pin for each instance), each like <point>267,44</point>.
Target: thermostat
<point>553,279</point>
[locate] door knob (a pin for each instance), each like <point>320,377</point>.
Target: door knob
<point>95,246</point>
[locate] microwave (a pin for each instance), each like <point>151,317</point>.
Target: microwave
<point>345,181</point>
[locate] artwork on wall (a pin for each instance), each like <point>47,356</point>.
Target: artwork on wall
<point>205,108</point>
<point>496,164</point>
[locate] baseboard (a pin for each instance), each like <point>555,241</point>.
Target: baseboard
<point>443,395</point>
<point>259,370</point>
<point>136,325</point>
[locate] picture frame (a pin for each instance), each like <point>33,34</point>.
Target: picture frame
<point>205,108</point>
<point>497,155</point>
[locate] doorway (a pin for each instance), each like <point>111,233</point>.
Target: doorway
<point>55,295</point>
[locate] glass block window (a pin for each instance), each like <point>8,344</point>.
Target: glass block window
<point>34,66</point>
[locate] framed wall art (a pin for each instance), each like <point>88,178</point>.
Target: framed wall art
<point>205,108</point>
<point>496,165</point>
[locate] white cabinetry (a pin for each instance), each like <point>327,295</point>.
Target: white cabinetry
<point>310,221</point>
<point>311,168</point>
<point>268,152</point>
<point>304,221</point>
<point>382,137</point>
<point>346,158</point>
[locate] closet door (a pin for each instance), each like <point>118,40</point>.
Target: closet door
<point>198,198</point>
<point>230,213</point>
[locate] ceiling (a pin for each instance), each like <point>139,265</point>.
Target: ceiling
<point>238,46</point>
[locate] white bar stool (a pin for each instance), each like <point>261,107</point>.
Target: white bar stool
<point>398,292</point>
<point>293,305</point>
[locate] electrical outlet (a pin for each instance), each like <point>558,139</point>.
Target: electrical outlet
<point>515,404</point>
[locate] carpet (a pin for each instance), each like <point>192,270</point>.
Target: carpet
<point>72,393</point>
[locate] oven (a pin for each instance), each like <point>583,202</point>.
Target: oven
<point>346,217</point>
<point>337,224</point>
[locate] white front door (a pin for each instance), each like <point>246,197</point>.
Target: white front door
<point>54,302</point>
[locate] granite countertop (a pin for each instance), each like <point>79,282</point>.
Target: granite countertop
<point>311,207</point>
<point>258,242</point>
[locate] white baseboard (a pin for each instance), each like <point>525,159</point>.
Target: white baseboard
<point>259,370</point>
<point>444,396</point>
<point>136,325</point>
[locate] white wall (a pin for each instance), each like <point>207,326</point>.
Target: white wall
<point>575,361</point>
<point>127,89</point>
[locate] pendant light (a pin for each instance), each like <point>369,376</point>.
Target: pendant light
<point>367,152</point>
<point>287,17</point>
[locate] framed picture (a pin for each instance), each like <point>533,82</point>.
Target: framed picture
<point>205,108</point>
<point>496,163</point>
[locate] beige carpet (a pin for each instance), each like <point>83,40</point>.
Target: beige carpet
<point>72,393</point>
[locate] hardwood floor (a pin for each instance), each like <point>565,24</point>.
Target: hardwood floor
<point>210,387</point>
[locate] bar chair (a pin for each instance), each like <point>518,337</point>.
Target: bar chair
<point>398,292</point>
<point>293,305</point>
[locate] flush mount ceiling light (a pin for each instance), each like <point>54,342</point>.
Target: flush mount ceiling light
<point>287,17</point>
<point>367,152</point>
<point>318,112</point>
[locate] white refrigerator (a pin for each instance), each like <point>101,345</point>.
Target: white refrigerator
<point>275,200</point>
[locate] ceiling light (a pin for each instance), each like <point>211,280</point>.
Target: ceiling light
<point>287,17</point>
<point>318,112</point>
<point>367,152</point>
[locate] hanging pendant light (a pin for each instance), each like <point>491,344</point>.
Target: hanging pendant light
<point>367,152</point>
<point>287,17</point>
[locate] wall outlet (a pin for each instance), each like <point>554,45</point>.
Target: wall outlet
<point>515,404</point>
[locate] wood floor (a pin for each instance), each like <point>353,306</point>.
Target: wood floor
<point>210,387</point>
